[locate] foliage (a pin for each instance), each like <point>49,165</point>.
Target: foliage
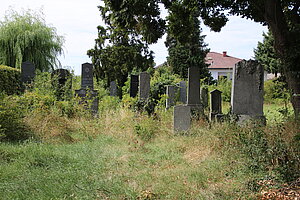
<point>276,90</point>
<point>224,85</point>
<point>27,37</point>
<point>10,80</point>
<point>266,55</point>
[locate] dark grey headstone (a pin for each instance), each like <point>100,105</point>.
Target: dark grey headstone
<point>134,85</point>
<point>204,96</point>
<point>87,76</point>
<point>215,103</point>
<point>247,89</point>
<point>171,96</point>
<point>193,86</point>
<point>144,87</point>
<point>86,95</point>
<point>113,88</point>
<point>183,92</point>
<point>27,72</point>
<point>182,118</point>
<point>60,79</point>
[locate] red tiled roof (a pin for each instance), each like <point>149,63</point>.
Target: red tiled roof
<point>219,61</point>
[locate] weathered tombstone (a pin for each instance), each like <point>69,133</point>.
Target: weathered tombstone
<point>183,95</point>
<point>182,118</point>
<point>113,88</point>
<point>215,104</point>
<point>193,86</point>
<point>171,96</point>
<point>87,76</point>
<point>87,92</point>
<point>247,90</point>
<point>27,72</point>
<point>134,85</point>
<point>204,97</point>
<point>60,79</point>
<point>144,87</point>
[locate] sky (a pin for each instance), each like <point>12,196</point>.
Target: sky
<point>77,21</point>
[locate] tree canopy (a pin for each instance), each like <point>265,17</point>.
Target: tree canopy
<point>27,37</point>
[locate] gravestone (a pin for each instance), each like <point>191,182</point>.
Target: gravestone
<point>204,97</point>
<point>183,95</point>
<point>215,104</point>
<point>60,79</point>
<point>87,92</point>
<point>171,96</point>
<point>134,85</point>
<point>27,72</point>
<point>113,88</point>
<point>182,118</point>
<point>87,76</point>
<point>193,86</point>
<point>247,90</point>
<point>144,87</point>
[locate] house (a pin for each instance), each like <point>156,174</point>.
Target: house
<point>220,64</point>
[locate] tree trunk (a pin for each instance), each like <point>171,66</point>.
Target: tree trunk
<point>293,80</point>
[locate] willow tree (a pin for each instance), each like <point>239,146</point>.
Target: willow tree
<point>27,37</point>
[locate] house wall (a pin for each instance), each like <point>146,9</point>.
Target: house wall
<point>220,72</point>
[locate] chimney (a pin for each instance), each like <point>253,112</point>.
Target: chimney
<point>224,53</point>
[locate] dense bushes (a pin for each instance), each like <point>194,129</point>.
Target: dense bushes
<point>9,80</point>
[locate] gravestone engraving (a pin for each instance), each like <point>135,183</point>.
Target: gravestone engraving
<point>183,92</point>
<point>113,88</point>
<point>204,96</point>
<point>144,87</point>
<point>182,118</point>
<point>247,89</point>
<point>193,86</point>
<point>62,81</point>
<point>215,103</point>
<point>171,96</point>
<point>27,72</point>
<point>87,76</point>
<point>134,85</point>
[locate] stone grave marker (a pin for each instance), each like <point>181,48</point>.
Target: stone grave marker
<point>204,96</point>
<point>247,90</point>
<point>215,104</point>
<point>193,86</point>
<point>144,87</point>
<point>87,76</point>
<point>183,92</point>
<point>60,79</point>
<point>171,96</point>
<point>182,118</point>
<point>134,85</point>
<point>113,88</point>
<point>27,72</point>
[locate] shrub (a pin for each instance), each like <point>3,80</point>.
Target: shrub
<point>9,80</point>
<point>276,90</point>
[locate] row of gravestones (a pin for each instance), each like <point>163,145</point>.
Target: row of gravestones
<point>246,97</point>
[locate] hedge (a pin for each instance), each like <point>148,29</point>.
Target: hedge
<point>9,80</point>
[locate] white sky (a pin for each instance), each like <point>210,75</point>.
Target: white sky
<point>77,20</point>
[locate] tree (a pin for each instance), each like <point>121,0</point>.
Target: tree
<point>27,37</point>
<point>266,55</point>
<point>184,41</point>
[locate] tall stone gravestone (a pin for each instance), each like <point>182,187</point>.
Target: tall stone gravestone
<point>134,85</point>
<point>62,81</point>
<point>204,96</point>
<point>113,88</point>
<point>27,72</point>
<point>87,91</point>
<point>144,88</point>
<point>183,93</point>
<point>171,96</point>
<point>215,104</point>
<point>182,118</point>
<point>193,86</point>
<point>247,91</point>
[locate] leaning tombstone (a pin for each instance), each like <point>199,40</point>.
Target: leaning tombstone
<point>134,85</point>
<point>27,72</point>
<point>113,88</point>
<point>87,92</point>
<point>181,118</point>
<point>171,96</point>
<point>204,96</point>
<point>215,105</point>
<point>144,87</point>
<point>182,89</point>
<point>247,91</point>
<point>62,82</point>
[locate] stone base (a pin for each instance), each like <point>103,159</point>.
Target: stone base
<point>246,119</point>
<point>216,117</point>
<point>196,111</point>
<point>89,95</point>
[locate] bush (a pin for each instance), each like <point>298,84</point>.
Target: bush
<point>276,90</point>
<point>9,80</point>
